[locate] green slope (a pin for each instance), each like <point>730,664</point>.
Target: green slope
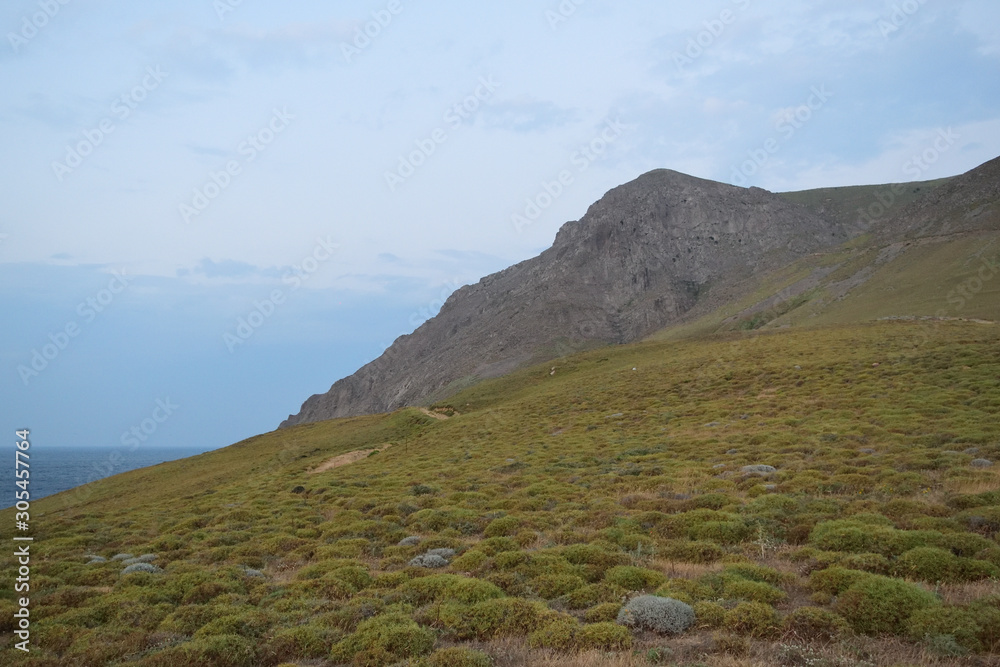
<point>562,494</point>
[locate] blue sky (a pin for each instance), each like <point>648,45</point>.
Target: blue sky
<point>229,205</point>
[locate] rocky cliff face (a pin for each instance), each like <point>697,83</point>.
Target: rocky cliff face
<point>636,262</point>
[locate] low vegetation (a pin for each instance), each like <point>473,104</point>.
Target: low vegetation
<point>802,497</point>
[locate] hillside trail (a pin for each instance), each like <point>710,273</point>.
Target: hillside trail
<point>435,415</point>
<point>342,460</point>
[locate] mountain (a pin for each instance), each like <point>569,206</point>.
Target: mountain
<point>672,255</point>
<point>639,259</point>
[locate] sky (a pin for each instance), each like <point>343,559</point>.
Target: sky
<point>212,209</point>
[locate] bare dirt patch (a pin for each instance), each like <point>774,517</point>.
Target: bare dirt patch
<point>345,459</point>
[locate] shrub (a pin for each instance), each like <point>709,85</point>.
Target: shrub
<point>303,642</point>
<point>754,572</point>
<point>246,623</point>
<point>634,578</point>
<point>604,636</point>
<point>952,621</point>
<point>874,563</point>
<point>753,619</point>
<point>816,623</point>
<point>709,614</point>
<point>722,532</point>
<point>878,604</point>
<point>607,611</point>
<point>503,617</point>
<point>220,650</point>
<point>392,636</point>
<point>929,564</point>
<point>448,588</point>
<point>835,580</point>
<point>753,591</point>
<point>692,551</point>
<point>551,586</point>
<point>470,561</point>
<point>662,615</point>
<point>498,545</point>
<point>357,577</point>
<point>558,634</point>
<point>458,657</point>
<point>588,596</point>
<point>503,527</point>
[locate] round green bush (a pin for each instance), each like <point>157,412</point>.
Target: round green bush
<point>878,604</point>
<point>391,636</point>
<point>605,612</point>
<point>503,527</point>
<point>752,591</point>
<point>592,594</point>
<point>634,578</point>
<point>470,561</point>
<point>692,551</point>
<point>603,636</point>
<point>503,617</point>
<point>549,586</point>
<point>558,634</point>
<point>956,622</point>
<point>835,580</point>
<point>709,614</point>
<point>753,619</point>
<point>816,623</point>
<point>303,642</point>
<point>217,650</point>
<point>928,564</point>
<point>754,572</point>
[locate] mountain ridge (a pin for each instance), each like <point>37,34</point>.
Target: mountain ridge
<point>635,262</point>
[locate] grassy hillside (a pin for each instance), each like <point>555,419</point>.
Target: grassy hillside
<point>563,494</point>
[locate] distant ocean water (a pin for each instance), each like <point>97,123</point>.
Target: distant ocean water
<point>55,469</point>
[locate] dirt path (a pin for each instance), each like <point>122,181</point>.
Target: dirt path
<point>345,459</point>
<point>434,415</point>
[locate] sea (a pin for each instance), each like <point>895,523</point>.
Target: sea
<point>56,469</point>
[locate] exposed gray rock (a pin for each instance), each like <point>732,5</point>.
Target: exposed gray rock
<point>640,259</point>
